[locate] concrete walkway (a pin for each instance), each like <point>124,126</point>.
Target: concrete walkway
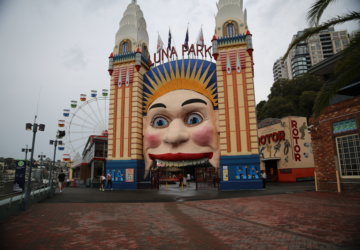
<point>294,219</point>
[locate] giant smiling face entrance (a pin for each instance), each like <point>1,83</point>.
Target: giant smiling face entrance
<point>180,124</point>
<point>186,116</point>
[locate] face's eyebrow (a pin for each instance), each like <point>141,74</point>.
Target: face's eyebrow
<point>157,105</point>
<point>193,101</point>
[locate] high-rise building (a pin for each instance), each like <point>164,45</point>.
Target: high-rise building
<point>310,52</point>
<point>280,70</point>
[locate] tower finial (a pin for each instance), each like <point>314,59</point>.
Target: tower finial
<point>134,1</point>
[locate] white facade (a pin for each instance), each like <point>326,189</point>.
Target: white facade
<point>280,70</point>
<point>132,27</point>
<point>234,9</point>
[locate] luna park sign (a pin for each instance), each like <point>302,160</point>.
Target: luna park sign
<point>195,50</point>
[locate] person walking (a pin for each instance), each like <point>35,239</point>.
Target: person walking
<point>109,181</point>
<point>102,182</point>
<point>263,177</point>
<point>61,178</point>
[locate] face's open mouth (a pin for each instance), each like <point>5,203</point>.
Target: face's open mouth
<point>181,159</point>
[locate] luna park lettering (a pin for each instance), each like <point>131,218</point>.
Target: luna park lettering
<point>192,50</point>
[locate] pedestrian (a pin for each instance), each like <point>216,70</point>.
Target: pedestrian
<point>68,182</point>
<point>263,177</point>
<point>181,179</point>
<point>184,181</point>
<point>102,182</point>
<point>109,181</point>
<point>61,178</point>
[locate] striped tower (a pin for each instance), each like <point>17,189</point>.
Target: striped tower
<point>239,161</point>
<point>128,63</point>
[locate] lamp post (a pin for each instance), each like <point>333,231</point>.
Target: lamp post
<point>41,156</point>
<point>26,150</point>
<point>34,127</point>
<point>56,142</point>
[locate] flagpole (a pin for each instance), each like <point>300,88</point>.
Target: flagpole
<point>187,37</point>
<point>173,40</point>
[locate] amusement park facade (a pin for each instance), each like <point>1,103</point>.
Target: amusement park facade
<point>196,116</point>
<point>147,141</point>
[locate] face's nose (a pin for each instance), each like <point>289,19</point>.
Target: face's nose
<point>176,133</point>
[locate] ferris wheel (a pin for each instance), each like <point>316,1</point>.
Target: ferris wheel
<point>84,118</point>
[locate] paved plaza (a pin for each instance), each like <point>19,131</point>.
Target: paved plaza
<point>175,219</point>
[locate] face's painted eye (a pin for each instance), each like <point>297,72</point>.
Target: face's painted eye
<point>159,122</point>
<point>193,119</point>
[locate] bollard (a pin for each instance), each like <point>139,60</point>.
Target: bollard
<point>338,181</point>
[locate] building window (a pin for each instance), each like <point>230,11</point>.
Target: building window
<point>144,51</point>
<point>348,149</point>
<point>231,29</point>
<point>125,47</point>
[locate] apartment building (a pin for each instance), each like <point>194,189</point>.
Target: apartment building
<point>310,52</point>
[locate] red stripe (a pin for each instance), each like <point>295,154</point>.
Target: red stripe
<point>130,120</point>
<point>122,122</point>
<point>236,109</point>
<point>115,121</point>
<point>232,55</point>
<point>228,142</point>
<point>246,113</point>
<point>123,70</point>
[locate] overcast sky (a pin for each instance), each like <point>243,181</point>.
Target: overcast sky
<point>51,51</point>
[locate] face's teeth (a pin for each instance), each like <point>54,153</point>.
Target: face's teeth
<point>161,163</point>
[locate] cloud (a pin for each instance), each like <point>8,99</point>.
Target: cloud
<point>74,58</point>
<point>54,50</point>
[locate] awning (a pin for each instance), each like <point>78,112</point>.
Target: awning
<point>270,159</point>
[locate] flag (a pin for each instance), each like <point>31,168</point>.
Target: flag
<point>169,40</point>
<point>186,43</point>
<point>160,44</point>
<point>200,39</point>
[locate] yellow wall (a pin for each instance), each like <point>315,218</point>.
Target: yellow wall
<point>297,138</point>
<point>236,97</point>
<point>125,119</point>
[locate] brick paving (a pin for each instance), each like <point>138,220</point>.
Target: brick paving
<point>305,220</point>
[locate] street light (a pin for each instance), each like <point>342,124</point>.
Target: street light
<point>34,127</point>
<point>41,156</point>
<point>26,150</point>
<point>60,134</point>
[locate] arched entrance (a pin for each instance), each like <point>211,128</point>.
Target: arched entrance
<point>199,177</point>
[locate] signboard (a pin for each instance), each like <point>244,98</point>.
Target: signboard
<point>225,174</point>
<point>20,174</point>
<point>129,175</point>
<point>194,50</point>
<point>344,126</point>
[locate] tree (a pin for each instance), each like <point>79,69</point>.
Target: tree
<point>306,102</point>
<point>347,70</point>
<point>10,163</point>
<point>290,97</point>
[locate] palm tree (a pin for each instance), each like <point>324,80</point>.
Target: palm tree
<point>347,70</point>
